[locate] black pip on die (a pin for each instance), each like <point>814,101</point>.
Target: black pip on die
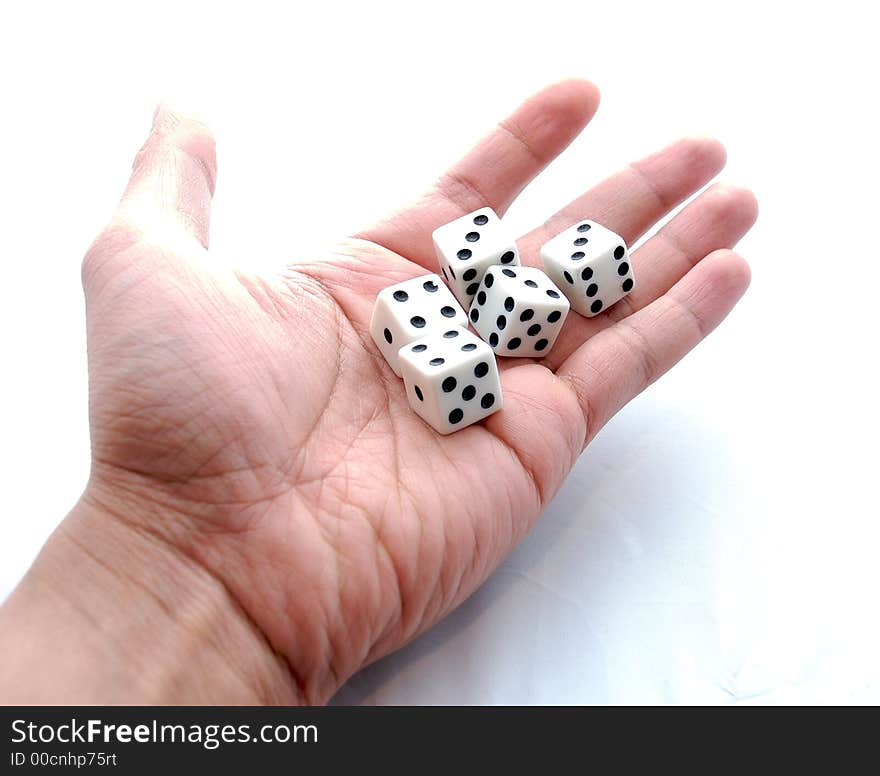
<point>451,379</point>
<point>412,309</point>
<point>518,311</point>
<point>468,246</point>
<point>590,264</point>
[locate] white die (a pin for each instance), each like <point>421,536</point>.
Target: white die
<point>590,264</point>
<point>410,310</point>
<point>451,379</point>
<point>468,246</point>
<point>518,311</point>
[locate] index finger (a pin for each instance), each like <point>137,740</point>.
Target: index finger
<point>495,171</point>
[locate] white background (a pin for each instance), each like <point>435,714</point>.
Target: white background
<point>719,540</point>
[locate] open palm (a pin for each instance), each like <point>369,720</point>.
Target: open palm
<point>275,448</point>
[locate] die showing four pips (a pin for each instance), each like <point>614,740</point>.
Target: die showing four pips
<point>450,375</point>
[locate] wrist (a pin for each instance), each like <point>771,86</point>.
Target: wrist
<point>110,613</point>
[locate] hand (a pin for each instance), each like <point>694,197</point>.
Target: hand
<point>261,492</point>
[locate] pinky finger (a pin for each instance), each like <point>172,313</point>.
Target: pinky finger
<point>618,363</point>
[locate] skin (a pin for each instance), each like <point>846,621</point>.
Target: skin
<point>265,515</point>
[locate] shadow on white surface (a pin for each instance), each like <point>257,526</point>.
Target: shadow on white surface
<point>616,594</point>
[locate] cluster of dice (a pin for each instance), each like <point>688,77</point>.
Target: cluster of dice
<point>420,327</point>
